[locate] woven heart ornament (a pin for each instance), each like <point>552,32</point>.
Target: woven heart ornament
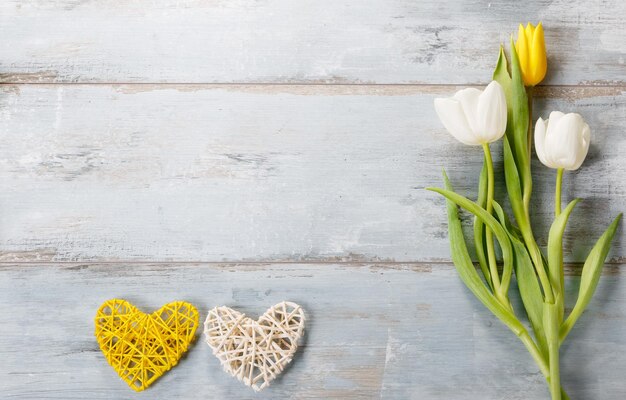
<point>255,352</point>
<point>142,347</point>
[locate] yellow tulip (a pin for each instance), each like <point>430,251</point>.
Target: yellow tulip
<point>531,50</point>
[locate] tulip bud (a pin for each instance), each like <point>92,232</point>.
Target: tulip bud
<point>531,50</point>
<point>474,117</point>
<point>562,141</point>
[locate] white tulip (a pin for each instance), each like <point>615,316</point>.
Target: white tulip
<point>562,141</point>
<point>474,117</point>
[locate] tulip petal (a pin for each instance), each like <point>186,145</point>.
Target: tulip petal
<point>522,51</point>
<point>564,141</point>
<point>551,130</point>
<point>540,138</point>
<point>469,101</point>
<point>538,58</point>
<point>451,114</point>
<point>529,32</point>
<point>555,116</point>
<point>491,113</point>
<point>583,145</point>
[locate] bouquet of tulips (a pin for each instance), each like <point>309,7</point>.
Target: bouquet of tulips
<point>503,110</point>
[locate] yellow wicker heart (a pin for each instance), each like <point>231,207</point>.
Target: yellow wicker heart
<point>141,347</point>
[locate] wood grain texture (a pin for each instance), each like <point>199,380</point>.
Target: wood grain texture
<point>374,331</point>
<point>264,173</point>
<point>248,152</point>
<point>313,41</point>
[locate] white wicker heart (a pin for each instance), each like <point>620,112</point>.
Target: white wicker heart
<point>255,352</point>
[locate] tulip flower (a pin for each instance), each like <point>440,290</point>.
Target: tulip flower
<point>531,50</point>
<point>562,141</point>
<point>474,117</point>
<point>477,117</point>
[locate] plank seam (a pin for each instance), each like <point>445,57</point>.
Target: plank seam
<point>248,263</point>
<point>249,84</point>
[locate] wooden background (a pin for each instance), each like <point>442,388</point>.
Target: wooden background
<point>245,152</point>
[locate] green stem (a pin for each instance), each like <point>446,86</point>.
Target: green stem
<point>555,380</point>
<point>528,182</point>
<point>557,212</point>
<point>557,197</point>
<point>524,220</point>
<point>551,326</point>
<point>491,254</point>
<point>544,367</point>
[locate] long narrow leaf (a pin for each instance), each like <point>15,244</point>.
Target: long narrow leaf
<point>592,269</point>
<point>519,122</point>
<point>513,184</point>
<point>555,255</point>
<point>489,221</point>
<point>502,76</point>
<point>479,227</point>
<point>506,273</point>
<point>517,112</point>
<point>468,273</point>
<point>507,224</point>
<point>527,282</point>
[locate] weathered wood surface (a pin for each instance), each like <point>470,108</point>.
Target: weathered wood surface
<point>345,41</point>
<point>402,331</point>
<point>272,133</point>
<point>264,173</point>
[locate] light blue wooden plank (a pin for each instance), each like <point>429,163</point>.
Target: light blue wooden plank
<point>395,331</point>
<point>265,173</point>
<point>314,41</point>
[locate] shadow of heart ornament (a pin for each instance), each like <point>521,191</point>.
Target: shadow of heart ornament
<point>142,347</point>
<point>255,352</point>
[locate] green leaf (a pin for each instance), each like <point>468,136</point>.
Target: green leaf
<point>517,114</point>
<point>501,73</point>
<point>513,184</point>
<point>492,223</point>
<point>479,227</point>
<point>555,255</point>
<point>527,281</point>
<point>592,269</point>
<point>551,326</point>
<point>518,134</point>
<point>506,273</point>
<point>508,225</point>
<point>468,273</point>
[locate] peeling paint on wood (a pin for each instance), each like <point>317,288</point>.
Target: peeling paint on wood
<point>294,142</point>
<point>408,332</point>
<point>277,41</point>
<point>276,173</point>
